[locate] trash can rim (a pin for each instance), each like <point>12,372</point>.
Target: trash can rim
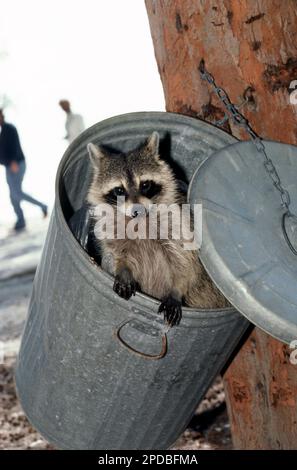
<point>96,270</point>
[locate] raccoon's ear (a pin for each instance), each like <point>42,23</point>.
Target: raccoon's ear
<point>153,143</point>
<point>95,154</point>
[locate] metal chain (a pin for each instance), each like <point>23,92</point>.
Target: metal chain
<point>270,168</point>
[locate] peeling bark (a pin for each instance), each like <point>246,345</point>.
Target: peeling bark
<point>244,43</point>
<point>261,395</point>
<point>251,49</point>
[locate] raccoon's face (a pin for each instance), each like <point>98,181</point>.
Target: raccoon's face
<point>132,181</point>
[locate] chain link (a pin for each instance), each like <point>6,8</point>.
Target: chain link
<point>241,121</point>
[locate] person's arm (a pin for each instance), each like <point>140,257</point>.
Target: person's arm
<point>77,126</point>
<point>13,149</point>
<point>80,124</point>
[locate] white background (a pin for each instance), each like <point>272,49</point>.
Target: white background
<point>96,53</point>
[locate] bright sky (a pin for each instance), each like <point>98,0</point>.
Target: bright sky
<point>96,53</point>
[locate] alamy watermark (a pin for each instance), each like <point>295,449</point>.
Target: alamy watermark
<point>2,355</point>
<point>293,92</point>
<point>155,221</point>
<point>293,355</point>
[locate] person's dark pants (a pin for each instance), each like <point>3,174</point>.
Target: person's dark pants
<point>14,181</point>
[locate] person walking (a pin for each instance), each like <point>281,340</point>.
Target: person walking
<point>74,122</point>
<point>12,157</point>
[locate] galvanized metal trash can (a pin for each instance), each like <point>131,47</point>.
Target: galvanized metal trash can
<point>77,382</point>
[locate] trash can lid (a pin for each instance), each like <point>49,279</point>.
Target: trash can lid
<point>243,246</point>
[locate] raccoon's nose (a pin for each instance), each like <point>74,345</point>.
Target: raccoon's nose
<point>137,210</point>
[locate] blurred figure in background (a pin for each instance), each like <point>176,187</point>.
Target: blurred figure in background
<point>12,157</point>
<point>74,122</point>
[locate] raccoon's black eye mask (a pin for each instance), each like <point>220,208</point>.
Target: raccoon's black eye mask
<point>111,196</point>
<point>147,188</point>
<point>150,188</point>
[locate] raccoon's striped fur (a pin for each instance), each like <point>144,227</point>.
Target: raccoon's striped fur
<point>161,268</point>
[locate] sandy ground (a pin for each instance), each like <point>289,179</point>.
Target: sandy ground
<point>209,428</point>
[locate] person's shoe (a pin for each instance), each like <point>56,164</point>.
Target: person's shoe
<point>45,211</point>
<point>19,226</point>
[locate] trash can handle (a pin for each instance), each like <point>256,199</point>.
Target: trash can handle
<point>140,353</point>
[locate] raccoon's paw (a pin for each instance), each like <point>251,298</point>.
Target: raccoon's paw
<point>124,284</point>
<point>172,309</point>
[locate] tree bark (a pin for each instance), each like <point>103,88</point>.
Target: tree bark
<point>251,49</point>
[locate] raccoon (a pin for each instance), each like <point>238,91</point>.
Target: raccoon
<point>160,268</point>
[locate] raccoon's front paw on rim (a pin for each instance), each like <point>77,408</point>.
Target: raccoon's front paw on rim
<point>172,309</point>
<point>124,284</point>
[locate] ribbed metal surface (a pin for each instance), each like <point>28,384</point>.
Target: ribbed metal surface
<point>77,384</point>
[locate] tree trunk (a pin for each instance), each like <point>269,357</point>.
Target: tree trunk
<point>251,49</point>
